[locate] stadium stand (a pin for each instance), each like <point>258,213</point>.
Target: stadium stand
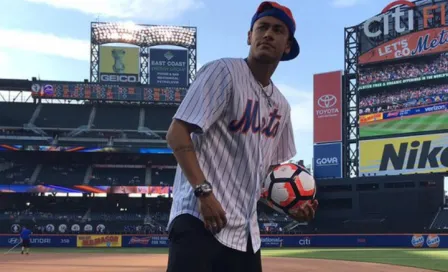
<point>62,174</point>
<point>159,118</point>
<point>117,176</point>
<point>441,220</point>
<point>404,98</point>
<point>116,117</point>
<point>15,173</point>
<point>15,114</point>
<point>416,68</point>
<point>62,116</point>
<point>161,176</point>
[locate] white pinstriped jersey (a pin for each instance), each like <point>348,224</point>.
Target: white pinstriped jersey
<point>234,153</point>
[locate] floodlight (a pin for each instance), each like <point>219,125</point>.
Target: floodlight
<point>149,35</point>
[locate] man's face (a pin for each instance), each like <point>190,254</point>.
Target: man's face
<point>269,40</point>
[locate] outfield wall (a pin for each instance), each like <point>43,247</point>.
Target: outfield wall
<point>346,240</point>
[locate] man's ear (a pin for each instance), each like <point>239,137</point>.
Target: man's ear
<point>249,33</point>
<point>288,46</point>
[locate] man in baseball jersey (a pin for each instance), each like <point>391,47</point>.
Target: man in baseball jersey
<point>233,126</point>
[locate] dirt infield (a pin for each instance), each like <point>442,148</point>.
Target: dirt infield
<point>157,263</point>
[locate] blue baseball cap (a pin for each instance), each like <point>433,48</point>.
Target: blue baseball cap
<point>284,14</point>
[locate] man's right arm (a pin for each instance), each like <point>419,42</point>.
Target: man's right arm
<point>206,100</point>
<point>179,140</point>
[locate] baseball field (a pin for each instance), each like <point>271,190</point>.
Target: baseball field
<point>419,123</point>
<point>285,260</point>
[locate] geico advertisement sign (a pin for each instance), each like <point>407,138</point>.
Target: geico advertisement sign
<point>119,78</point>
<point>405,155</point>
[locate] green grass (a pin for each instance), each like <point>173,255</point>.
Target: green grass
<point>435,121</point>
<point>433,259</point>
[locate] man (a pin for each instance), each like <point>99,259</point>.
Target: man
<point>25,238</point>
<point>230,130</point>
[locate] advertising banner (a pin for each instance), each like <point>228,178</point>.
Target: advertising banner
<point>404,155</point>
<point>416,111</point>
<point>328,107</point>
<point>370,117</point>
<point>40,240</point>
<point>358,240</point>
<point>417,240</point>
<point>420,43</point>
<point>98,241</point>
<point>119,64</point>
<point>145,241</point>
<point>168,68</point>
<point>328,160</point>
<point>403,81</point>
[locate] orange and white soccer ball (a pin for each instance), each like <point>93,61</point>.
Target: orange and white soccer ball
<point>287,187</point>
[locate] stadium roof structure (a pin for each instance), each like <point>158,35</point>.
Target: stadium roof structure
<point>143,36</point>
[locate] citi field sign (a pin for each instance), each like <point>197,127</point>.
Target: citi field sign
<point>402,15</point>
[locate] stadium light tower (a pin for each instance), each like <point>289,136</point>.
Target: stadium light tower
<point>143,36</point>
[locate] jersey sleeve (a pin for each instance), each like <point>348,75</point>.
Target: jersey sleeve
<point>207,97</point>
<point>286,147</point>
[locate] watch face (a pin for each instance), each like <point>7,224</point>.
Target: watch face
<point>206,187</point>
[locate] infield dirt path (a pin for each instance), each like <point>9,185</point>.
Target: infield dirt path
<point>157,263</point>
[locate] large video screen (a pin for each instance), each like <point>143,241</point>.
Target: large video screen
<point>404,96</point>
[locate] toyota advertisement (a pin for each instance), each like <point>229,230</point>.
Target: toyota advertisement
<point>328,107</point>
<point>328,160</point>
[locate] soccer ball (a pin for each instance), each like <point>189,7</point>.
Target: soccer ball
<point>287,187</point>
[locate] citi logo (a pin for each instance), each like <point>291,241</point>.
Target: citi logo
<point>396,14</point>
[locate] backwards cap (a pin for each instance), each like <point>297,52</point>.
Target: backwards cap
<point>284,14</point>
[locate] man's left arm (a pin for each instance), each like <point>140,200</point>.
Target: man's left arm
<point>286,149</point>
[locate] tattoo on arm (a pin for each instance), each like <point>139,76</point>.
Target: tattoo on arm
<point>184,148</point>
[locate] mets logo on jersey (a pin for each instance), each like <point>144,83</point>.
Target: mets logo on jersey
<point>251,122</point>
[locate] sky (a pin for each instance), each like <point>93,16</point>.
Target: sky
<point>50,39</point>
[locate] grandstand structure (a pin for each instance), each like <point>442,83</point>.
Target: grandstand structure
<point>389,98</point>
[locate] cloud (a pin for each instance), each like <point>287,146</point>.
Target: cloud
<point>155,10</point>
<point>44,43</point>
<point>301,102</point>
<point>4,59</point>
<point>345,3</point>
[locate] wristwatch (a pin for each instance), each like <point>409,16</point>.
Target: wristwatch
<point>203,189</point>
